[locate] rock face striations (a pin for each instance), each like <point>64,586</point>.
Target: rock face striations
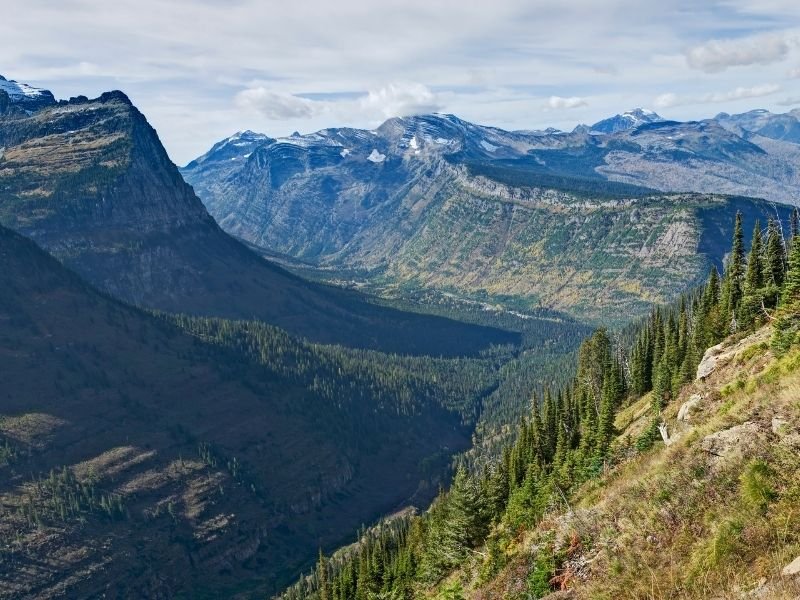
<point>91,183</point>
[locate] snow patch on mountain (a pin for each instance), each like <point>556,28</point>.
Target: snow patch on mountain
<point>376,156</point>
<point>488,147</point>
<point>21,90</point>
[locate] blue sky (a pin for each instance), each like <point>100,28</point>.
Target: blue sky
<point>202,69</point>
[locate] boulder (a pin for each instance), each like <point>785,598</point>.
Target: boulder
<point>791,441</point>
<point>709,362</point>
<point>792,569</point>
<point>722,354</point>
<point>733,442</point>
<point>688,406</point>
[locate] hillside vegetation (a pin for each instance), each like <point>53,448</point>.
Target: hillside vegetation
<point>663,470</point>
<point>147,455</point>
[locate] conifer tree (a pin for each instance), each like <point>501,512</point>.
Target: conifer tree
<point>774,256</point>
<point>734,274</point>
<point>754,277</point>
<point>774,265</point>
<point>753,292</point>
<point>791,287</point>
<point>323,585</point>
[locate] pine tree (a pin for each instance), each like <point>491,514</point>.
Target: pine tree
<point>734,275</point>
<point>466,518</point>
<point>323,585</point>
<point>612,396</point>
<point>774,256</point>
<point>753,293</point>
<point>774,265</point>
<point>754,277</point>
<point>791,287</point>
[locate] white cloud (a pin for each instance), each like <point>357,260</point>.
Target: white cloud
<point>717,55</point>
<point>275,106</point>
<point>391,100</point>
<point>400,100</point>
<point>794,73</point>
<point>560,103</point>
<point>740,93</point>
<point>669,100</point>
<point>795,101</point>
<point>496,63</point>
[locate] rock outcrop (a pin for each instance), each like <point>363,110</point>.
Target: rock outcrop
<point>732,443</point>
<point>685,411</point>
<point>792,569</point>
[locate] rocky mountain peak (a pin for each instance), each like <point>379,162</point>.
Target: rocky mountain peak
<point>625,121</point>
<point>24,96</point>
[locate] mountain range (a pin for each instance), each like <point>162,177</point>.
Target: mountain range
<point>436,203</point>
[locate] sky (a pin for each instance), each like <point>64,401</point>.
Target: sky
<point>202,69</point>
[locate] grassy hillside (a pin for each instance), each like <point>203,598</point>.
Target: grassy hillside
<point>140,458</point>
<point>711,515</point>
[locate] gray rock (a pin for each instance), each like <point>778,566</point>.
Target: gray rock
<point>792,569</point>
<point>791,441</point>
<point>709,362</point>
<point>779,425</point>
<point>687,407</point>
<point>733,442</point>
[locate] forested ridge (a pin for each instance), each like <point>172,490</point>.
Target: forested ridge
<point>569,437</point>
<point>345,376</point>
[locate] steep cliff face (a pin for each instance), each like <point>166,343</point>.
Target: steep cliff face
<point>139,461</point>
<point>437,203</point>
<point>90,181</point>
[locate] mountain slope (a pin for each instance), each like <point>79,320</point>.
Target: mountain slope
<point>761,122</point>
<point>520,218</point>
<point>91,183</point>
<point>137,460</point>
<point>673,452</point>
<point>711,515</point>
